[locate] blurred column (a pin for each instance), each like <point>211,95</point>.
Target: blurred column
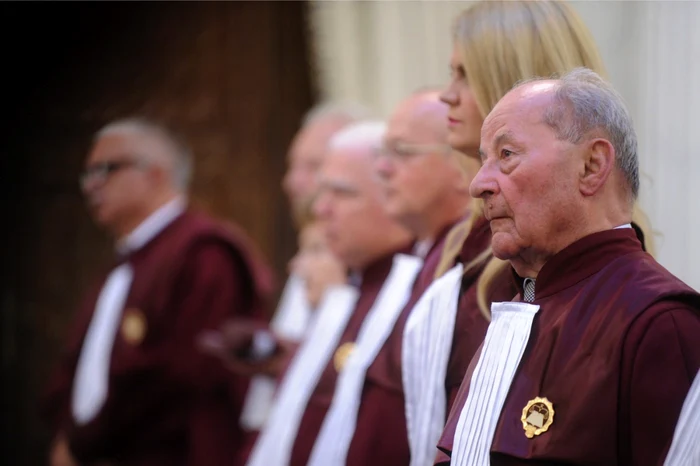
<point>377,52</point>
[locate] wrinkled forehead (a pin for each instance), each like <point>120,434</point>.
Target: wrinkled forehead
<point>118,143</point>
<point>422,118</point>
<point>521,108</point>
<point>312,140</point>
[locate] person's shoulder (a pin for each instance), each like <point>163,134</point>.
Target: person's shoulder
<point>667,320</point>
<point>203,229</point>
<point>651,281</point>
<point>210,235</point>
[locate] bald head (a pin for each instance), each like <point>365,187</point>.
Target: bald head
<point>422,112</point>
<point>425,184</point>
<point>556,158</point>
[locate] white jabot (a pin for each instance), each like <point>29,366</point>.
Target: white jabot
<point>505,343</point>
<point>92,372</point>
<point>426,346</point>
<point>685,448</point>
<point>291,322</point>
<point>333,441</point>
<point>274,445</point>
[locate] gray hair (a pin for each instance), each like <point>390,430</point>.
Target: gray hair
<point>367,133</point>
<point>175,147</point>
<point>585,102</point>
<point>350,112</point>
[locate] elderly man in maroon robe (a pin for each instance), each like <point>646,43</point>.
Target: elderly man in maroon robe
<point>354,319</point>
<point>310,272</point>
<point>426,190</point>
<point>593,363</point>
<point>131,389</point>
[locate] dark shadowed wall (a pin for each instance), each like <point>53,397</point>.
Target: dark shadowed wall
<point>232,77</point>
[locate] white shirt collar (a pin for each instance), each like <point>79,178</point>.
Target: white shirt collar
<point>154,224</point>
<point>422,248</point>
<point>626,225</point>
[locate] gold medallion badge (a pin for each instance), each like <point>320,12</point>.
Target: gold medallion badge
<point>538,415</point>
<point>342,354</point>
<point>133,326</point>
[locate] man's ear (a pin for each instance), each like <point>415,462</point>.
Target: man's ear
<point>599,162</point>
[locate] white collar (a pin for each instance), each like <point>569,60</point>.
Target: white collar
<point>626,225</point>
<point>154,224</point>
<point>422,248</point>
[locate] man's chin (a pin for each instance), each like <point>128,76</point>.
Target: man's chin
<point>503,248</point>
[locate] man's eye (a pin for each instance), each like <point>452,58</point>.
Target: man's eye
<point>505,153</point>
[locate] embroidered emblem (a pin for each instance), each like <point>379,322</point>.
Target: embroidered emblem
<point>342,354</point>
<point>538,415</point>
<point>133,326</point>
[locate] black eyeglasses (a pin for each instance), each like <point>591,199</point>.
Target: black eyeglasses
<point>102,170</point>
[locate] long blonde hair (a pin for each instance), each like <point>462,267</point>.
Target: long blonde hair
<point>502,43</point>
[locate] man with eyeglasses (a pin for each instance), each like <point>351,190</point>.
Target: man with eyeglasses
<point>426,190</point>
<point>131,388</point>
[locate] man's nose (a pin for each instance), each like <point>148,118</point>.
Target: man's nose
<point>288,184</point>
<point>322,206</point>
<point>484,183</point>
<point>384,166</point>
<point>89,183</point>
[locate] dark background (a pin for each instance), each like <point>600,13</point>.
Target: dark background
<point>232,77</point>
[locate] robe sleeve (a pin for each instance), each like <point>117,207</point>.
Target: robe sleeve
<point>215,291</point>
<point>662,358</point>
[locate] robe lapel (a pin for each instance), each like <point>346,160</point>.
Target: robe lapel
<point>277,439</point>
<point>505,343</point>
<point>332,444</point>
<point>426,348</point>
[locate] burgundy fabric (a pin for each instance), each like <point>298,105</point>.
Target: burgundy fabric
<point>168,404</point>
<point>613,347</point>
<point>373,278</point>
<point>380,436</point>
<point>470,322</point>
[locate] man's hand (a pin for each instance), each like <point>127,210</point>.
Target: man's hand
<point>60,454</point>
<point>319,272</point>
<point>234,344</point>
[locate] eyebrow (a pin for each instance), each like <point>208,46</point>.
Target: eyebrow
<point>502,138</point>
<point>505,137</point>
<point>338,186</point>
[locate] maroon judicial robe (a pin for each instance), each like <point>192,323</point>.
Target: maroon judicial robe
<point>380,436</point>
<point>614,347</point>
<point>168,404</point>
<point>470,323</point>
<point>373,278</point>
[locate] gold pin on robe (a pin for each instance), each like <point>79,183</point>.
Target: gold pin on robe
<point>538,415</point>
<point>342,354</point>
<point>133,326</point>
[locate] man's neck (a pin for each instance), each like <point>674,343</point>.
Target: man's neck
<point>151,222</point>
<point>530,262</point>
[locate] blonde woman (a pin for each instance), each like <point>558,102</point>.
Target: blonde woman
<point>496,44</point>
